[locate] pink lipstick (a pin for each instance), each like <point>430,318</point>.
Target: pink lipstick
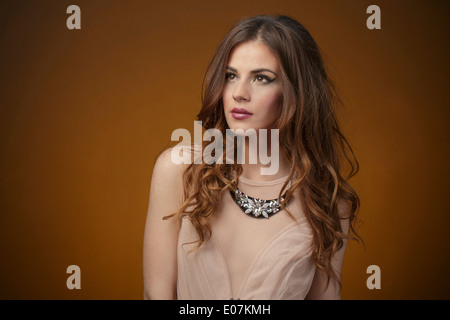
<point>240,113</point>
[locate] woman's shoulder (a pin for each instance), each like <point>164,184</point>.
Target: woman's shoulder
<point>167,177</point>
<point>174,160</point>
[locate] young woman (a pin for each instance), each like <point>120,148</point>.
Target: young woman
<point>226,231</point>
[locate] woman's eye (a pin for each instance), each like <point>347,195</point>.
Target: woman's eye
<point>259,78</point>
<point>230,76</point>
<point>262,79</point>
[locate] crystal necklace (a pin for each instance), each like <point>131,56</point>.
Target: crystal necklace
<point>256,207</point>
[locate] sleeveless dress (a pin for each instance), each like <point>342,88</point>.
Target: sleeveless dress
<point>248,258</point>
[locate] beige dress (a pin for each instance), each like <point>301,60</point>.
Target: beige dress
<point>248,258</point>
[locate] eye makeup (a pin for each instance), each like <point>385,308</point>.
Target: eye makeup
<point>259,77</point>
<point>264,78</point>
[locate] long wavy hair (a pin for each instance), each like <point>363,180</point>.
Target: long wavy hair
<point>310,138</point>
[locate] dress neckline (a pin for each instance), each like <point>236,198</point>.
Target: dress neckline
<point>259,255</point>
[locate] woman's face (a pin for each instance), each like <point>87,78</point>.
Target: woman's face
<point>252,94</point>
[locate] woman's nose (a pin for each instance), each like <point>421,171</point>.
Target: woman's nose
<point>241,92</point>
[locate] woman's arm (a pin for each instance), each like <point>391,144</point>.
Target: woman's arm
<point>161,236</point>
<point>319,290</point>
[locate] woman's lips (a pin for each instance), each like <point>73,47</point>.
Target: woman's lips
<point>240,113</point>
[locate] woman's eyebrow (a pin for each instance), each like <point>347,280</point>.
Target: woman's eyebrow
<point>262,70</point>
<point>253,71</point>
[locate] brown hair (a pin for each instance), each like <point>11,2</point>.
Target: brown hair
<point>308,130</point>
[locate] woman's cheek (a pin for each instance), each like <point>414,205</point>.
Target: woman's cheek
<point>270,102</point>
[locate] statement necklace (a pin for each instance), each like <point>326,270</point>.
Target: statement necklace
<point>256,207</point>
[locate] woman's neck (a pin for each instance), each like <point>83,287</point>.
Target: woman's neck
<point>279,166</point>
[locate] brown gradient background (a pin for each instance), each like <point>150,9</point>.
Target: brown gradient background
<point>83,114</point>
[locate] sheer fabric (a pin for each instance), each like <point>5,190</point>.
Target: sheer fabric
<point>248,258</point>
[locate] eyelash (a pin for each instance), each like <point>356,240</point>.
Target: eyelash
<point>264,77</point>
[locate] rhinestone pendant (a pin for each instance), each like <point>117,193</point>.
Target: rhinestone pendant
<point>256,207</point>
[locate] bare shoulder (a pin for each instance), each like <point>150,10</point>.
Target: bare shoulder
<point>167,176</point>
<point>173,161</point>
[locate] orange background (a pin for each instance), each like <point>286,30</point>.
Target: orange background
<point>83,114</point>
